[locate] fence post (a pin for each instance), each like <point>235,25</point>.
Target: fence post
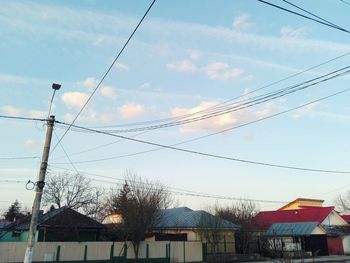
<point>184,251</point>
<point>58,253</point>
<point>204,252</point>
<point>225,244</point>
<point>85,252</point>
<point>125,251</point>
<point>111,255</point>
<point>147,250</point>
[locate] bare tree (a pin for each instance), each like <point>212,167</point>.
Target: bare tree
<point>211,231</point>
<point>241,214</point>
<point>74,191</point>
<point>139,203</point>
<point>343,202</point>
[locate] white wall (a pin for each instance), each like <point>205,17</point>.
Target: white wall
<point>74,251</point>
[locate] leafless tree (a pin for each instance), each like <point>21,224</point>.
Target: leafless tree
<point>343,202</point>
<point>210,231</point>
<point>241,214</point>
<point>74,191</point>
<point>139,202</point>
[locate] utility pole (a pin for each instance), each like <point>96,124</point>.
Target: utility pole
<point>39,192</point>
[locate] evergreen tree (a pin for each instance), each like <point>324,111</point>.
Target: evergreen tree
<point>14,212</point>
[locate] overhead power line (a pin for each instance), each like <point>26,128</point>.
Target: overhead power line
<point>227,101</point>
<point>320,21</point>
<point>227,157</point>
<point>197,112</point>
<point>345,2</point>
<point>250,102</point>
<point>105,75</point>
<point>19,158</point>
<point>218,132</point>
<point>21,118</point>
<point>177,191</point>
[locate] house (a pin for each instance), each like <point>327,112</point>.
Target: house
<point>62,224</point>
<point>330,235</point>
<point>185,224</point>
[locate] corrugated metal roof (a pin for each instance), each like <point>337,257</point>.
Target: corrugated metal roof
<point>184,217</point>
<point>292,229</point>
<point>5,224</point>
<point>265,219</point>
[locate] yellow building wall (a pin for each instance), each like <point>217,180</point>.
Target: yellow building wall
<point>297,204</point>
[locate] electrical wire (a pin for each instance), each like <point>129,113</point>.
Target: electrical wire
<point>249,102</point>
<point>227,157</point>
<point>174,190</point>
<point>304,16</point>
<point>310,13</point>
<point>66,154</point>
<point>227,101</point>
<point>105,75</point>
<point>345,2</point>
<point>19,158</point>
<point>191,114</point>
<point>21,118</point>
<point>219,132</point>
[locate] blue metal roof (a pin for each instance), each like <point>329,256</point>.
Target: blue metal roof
<point>292,229</point>
<point>184,217</point>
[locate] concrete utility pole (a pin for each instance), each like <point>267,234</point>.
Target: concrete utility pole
<point>39,192</point>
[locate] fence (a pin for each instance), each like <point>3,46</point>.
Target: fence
<point>104,252</point>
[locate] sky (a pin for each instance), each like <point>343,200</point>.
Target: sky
<point>186,56</point>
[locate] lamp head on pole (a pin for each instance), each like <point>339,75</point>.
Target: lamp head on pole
<point>56,86</point>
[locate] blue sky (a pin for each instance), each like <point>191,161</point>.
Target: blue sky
<point>186,56</point>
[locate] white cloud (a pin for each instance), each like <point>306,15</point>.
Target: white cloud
<point>120,66</point>
<point>145,85</point>
<point>290,32</point>
<point>241,22</point>
<point>265,111</point>
<point>106,117</point>
<point>99,41</point>
<point>74,99</point>
<point>131,110</point>
<point>305,110</point>
<point>37,114</point>
<point>68,117</point>
<point>12,111</point>
<point>185,66</point>
<point>30,143</point>
<point>108,92</point>
<point>195,54</point>
<point>222,71</point>
<point>210,124</point>
<point>89,83</point>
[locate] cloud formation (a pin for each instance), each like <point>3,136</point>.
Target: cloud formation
<point>291,32</point>
<point>12,111</point>
<point>185,66</point>
<point>89,83</point>
<point>222,71</point>
<point>131,110</point>
<point>241,22</point>
<point>121,66</point>
<point>74,99</point>
<point>211,124</point>
<point>108,92</point>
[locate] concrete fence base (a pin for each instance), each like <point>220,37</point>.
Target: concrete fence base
<point>104,252</point>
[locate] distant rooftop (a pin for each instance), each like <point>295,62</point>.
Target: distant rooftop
<point>184,217</point>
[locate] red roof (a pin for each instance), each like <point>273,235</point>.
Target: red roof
<point>314,214</point>
<point>346,217</point>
